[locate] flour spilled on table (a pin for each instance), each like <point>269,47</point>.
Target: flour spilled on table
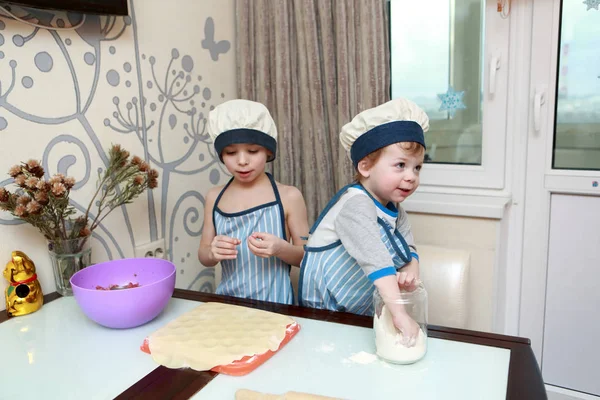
<point>325,348</point>
<point>362,358</point>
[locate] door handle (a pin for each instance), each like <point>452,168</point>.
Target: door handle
<point>538,101</point>
<point>494,66</point>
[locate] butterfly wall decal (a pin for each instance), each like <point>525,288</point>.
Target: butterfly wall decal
<point>209,43</point>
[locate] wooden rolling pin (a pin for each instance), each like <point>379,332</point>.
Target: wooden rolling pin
<point>244,394</point>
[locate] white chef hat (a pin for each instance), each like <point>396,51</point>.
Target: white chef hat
<point>398,120</point>
<point>242,121</point>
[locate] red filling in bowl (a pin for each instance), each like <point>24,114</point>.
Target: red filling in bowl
<point>130,285</point>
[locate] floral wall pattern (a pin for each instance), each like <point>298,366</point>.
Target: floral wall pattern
<point>147,82</point>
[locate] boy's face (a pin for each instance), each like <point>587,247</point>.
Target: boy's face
<point>245,161</point>
<point>395,175</point>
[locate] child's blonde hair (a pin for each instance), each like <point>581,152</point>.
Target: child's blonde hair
<point>410,148</point>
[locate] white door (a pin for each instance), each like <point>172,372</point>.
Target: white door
<point>560,291</point>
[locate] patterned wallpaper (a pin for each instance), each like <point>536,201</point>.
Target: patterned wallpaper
<point>147,82</point>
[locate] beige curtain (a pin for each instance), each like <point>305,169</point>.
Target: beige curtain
<point>315,64</point>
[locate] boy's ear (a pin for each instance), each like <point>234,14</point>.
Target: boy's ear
<point>363,167</point>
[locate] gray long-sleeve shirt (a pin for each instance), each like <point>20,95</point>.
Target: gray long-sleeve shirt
<point>358,230</point>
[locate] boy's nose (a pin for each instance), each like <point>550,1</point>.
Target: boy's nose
<point>242,159</point>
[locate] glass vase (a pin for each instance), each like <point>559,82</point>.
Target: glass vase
<point>67,257</point>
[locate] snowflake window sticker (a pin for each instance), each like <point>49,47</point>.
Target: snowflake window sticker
<point>592,4</point>
<point>452,101</point>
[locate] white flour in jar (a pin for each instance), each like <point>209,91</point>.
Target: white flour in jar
<point>389,341</point>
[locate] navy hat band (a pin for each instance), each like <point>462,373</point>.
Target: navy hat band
<point>384,135</point>
<point>245,135</point>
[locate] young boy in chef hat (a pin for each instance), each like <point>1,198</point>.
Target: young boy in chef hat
<point>248,222</point>
<point>361,241</point>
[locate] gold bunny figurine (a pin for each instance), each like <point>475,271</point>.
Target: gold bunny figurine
<point>24,293</point>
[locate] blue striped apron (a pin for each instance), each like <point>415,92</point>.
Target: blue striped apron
<point>330,278</point>
<point>250,276</point>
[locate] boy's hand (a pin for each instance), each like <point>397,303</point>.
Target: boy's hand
<point>223,248</point>
<point>408,327</point>
<point>264,244</point>
<point>409,276</point>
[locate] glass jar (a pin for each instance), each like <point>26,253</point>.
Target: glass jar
<point>391,345</point>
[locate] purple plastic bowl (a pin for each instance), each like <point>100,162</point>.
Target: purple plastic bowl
<point>126,308</point>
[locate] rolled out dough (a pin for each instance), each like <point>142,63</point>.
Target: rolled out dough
<point>244,394</point>
<point>214,334</point>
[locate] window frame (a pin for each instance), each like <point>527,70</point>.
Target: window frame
<point>490,175</point>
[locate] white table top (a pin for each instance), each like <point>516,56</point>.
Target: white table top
<point>58,353</point>
<point>318,361</point>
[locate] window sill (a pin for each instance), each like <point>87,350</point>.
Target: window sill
<point>457,204</point>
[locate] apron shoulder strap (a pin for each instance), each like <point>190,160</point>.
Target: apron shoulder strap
<point>330,204</point>
<point>280,204</point>
<point>274,186</point>
<point>404,255</point>
<point>221,193</point>
<point>217,202</point>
